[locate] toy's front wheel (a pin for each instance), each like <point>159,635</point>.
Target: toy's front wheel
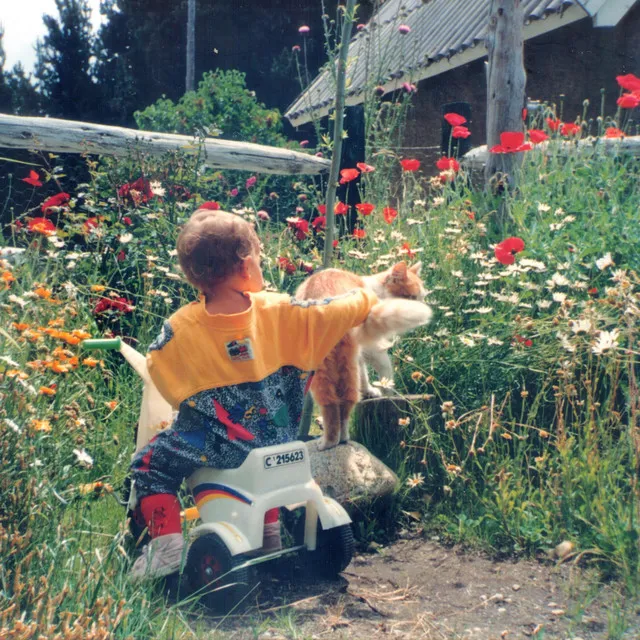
<point>333,553</point>
<point>209,570</point>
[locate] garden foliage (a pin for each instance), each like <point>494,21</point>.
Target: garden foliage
<point>527,434</point>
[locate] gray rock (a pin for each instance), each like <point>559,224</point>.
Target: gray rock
<point>349,473</point>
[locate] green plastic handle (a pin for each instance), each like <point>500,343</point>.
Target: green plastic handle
<point>106,344</point>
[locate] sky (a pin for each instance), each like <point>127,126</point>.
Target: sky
<point>22,23</point>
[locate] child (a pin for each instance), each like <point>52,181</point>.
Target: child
<point>233,365</point>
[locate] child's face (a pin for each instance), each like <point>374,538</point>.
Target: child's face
<point>252,273</point>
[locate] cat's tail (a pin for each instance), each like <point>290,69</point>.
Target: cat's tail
<point>391,317</point>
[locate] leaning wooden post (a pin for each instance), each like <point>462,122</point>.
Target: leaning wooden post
<point>338,128</point>
<point>505,85</point>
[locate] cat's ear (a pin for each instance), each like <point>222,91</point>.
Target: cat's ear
<point>399,271</point>
<point>416,268</point>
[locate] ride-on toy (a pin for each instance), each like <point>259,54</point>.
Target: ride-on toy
<point>231,504</point>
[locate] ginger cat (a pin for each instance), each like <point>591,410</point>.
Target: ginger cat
<point>342,377</point>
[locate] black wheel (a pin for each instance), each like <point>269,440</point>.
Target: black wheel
<point>334,550</point>
<point>208,568</point>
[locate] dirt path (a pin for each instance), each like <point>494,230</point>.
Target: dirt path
<point>420,589</point>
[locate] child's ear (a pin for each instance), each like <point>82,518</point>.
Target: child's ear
<point>416,268</point>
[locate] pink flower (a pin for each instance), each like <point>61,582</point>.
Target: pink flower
<point>250,182</point>
<point>454,119</point>
<point>629,82</point>
<point>295,48</point>
<point>304,143</point>
<point>511,142</point>
<point>360,26</point>
<point>628,101</point>
<point>234,192</point>
<point>127,220</point>
<point>304,29</point>
<point>263,215</point>
<point>409,88</point>
<point>404,29</point>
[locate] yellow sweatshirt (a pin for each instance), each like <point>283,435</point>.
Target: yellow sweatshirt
<point>242,377</point>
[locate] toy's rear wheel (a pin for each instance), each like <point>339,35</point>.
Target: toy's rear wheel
<point>211,579</point>
<point>333,553</point>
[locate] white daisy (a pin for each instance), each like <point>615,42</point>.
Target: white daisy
<point>606,341</point>
<point>605,262</point>
<point>83,458</point>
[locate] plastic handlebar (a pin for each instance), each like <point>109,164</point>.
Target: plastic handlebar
<point>106,344</point>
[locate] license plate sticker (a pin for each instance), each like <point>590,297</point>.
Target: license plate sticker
<point>277,460</point>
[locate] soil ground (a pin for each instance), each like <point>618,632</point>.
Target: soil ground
<point>421,589</point>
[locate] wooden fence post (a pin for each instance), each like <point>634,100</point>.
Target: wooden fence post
<point>505,85</point>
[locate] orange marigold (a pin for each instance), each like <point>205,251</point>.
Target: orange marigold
<point>47,391</point>
<point>40,425</point>
<point>90,362</point>
<point>43,292</point>
<point>19,326</point>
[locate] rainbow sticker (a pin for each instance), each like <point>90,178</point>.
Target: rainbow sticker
<point>203,493</point>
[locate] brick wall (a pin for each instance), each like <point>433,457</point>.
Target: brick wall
<point>577,61</point>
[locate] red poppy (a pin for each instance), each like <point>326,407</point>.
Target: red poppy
<point>445,164</point>
<point>389,214</point>
<point>525,112</point>
<point>113,304</point>
<point>33,179</point>
<point>347,175</point>
<point>210,205</point>
<point>570,129</point>
<point>410,164</point>
<point>335,244</point>
<point>593,291</point>
<point>365,168</point>
<point>322,209</point>
<point>340,208</point>
<point>42,226</point>
<point>121,255</point>
<point>511,142</point>
<point>407,247</point>
<point>613,132</point>
<point>139,191</point>
<point>90,223</point>
<point>320,221</point>
<point>628,101</point>
<point>307,267</point>
<point>365,208</point>
<point>554,124</point>
<point>284,264</point>
<point>629,82</point>
<point>527,342</point>
<point>537,136</point>
<point>454,119</point>
<point>505,251</point>
<point>127,220</point>
<point>300,226</point>
<point>58,200</point>
<point>460,132</point>
<point>359,234</point>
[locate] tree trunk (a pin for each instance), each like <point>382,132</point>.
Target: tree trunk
<point>191,45</point>
<point>505,87</point>
<point>69,136</point>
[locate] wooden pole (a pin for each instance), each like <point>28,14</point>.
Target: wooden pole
<point>69,136</point>
<point>338,128</point>
<point>191,45</point>
<point>505,85</point>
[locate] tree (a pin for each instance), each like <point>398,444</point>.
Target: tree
<point>25,100</point>
<point>5,91</point>
<point>64,67</point>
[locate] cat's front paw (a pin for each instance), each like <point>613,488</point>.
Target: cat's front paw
<point>372,392</point>
<point>324,444</point>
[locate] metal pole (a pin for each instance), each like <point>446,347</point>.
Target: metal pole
<point>191,45</point>
<point>338,127</point>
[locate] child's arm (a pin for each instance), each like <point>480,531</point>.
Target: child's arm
<point>312,328</point>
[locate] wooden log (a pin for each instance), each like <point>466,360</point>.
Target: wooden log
<point>505,85</point>
<point>375,424</point>
<point>69,136</point>
<point>476,159</point>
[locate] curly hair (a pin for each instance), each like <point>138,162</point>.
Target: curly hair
<point>212,245</point>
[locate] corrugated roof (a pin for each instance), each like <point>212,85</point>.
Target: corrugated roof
<point>440,30</point>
